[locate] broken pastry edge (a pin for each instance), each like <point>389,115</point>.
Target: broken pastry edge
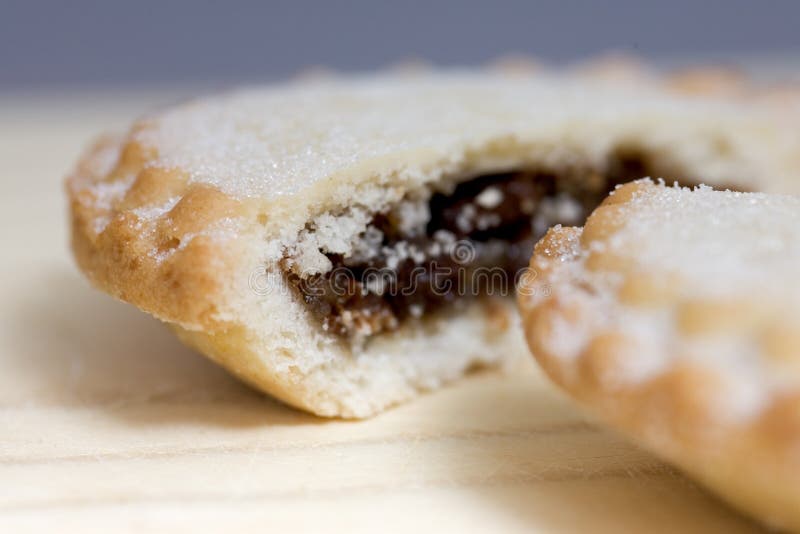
<point>398,367</point>
<point>749,458</point>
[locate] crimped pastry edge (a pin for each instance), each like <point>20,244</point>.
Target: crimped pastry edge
<point>754,464</point>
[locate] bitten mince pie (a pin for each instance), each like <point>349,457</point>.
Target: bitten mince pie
<point>345,243</point>
<point>674,315</point>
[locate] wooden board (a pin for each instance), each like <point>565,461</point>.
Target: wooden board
<point>106,421</point>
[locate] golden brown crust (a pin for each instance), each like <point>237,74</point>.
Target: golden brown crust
<point>646,378</point>
<point>141,259</point>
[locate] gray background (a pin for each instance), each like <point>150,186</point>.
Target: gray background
<point>107,43</point>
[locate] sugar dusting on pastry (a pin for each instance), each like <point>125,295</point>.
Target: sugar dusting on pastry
<point>730,249</point>
<point>686,308</point>
<point>722,239</point>
<point>278,142</point>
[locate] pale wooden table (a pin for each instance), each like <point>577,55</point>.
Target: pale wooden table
<point>106,421</point>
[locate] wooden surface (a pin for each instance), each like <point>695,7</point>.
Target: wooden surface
<point>106,421</point>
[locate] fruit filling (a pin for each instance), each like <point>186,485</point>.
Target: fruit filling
<point>473,241</point>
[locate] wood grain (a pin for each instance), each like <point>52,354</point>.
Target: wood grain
<point>107,422</point>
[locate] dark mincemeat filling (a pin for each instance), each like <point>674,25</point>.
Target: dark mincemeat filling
<point>490,222</point>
